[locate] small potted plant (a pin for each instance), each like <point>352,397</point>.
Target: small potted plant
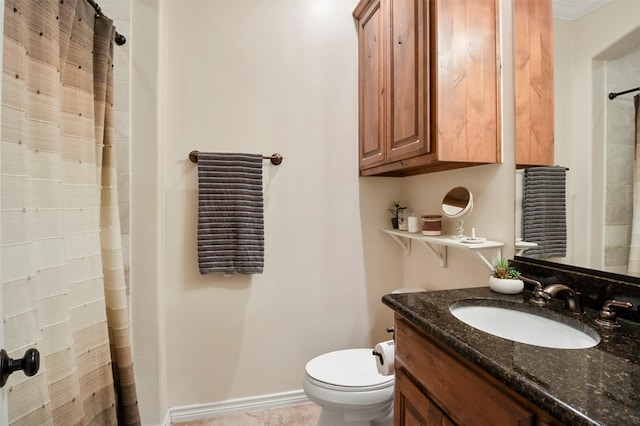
<point>395,212</point>
<point>505,278</point>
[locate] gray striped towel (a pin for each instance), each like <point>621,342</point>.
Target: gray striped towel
<point>544,217</point>
<point>230,213</point>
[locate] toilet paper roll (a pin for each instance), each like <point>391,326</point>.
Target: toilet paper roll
<point>384,361</point>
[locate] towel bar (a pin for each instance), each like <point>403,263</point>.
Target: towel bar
<point>276,159</point>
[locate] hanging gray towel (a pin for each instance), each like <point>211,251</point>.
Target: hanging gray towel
<point>230,213</point>
<point>544,216</point>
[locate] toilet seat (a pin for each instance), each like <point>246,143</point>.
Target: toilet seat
<point>347,370</point>
<point>349,390</point>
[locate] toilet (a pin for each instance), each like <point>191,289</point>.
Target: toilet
<point>349,390</point>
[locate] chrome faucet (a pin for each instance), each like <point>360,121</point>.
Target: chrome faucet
<point>540,295</point>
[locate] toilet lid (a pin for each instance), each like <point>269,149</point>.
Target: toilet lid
<point>348,368</point>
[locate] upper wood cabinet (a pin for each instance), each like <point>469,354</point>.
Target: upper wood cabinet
<point>533,44</point>
<point>428,85</point>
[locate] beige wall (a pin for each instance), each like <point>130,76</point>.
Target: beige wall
<point>147,212</point>
<point>268,77</point>
<point>120,12</point>
<point>271,76</point>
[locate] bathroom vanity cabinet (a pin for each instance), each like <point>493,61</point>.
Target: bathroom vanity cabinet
<point>434,386</point>
<point>448,372</point>
<point>428,85</point>
<point>533,49</point>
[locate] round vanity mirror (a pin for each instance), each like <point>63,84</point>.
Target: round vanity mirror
<point>457,204</point>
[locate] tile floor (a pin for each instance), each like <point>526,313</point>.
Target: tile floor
<point>299,415</point>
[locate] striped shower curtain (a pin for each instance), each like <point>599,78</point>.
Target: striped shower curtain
<point>634,250</point>
<point>63,280</point>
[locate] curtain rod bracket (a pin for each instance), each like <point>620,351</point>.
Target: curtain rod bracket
<point>120,39</point>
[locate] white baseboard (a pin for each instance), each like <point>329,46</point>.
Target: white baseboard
<point>236,406</point>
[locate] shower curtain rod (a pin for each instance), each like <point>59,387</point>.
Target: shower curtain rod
<point>120,39</point>
<point>613,95</point>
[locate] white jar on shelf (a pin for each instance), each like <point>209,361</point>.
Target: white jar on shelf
<point>414,222</point>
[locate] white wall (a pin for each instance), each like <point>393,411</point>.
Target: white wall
<point>272,76</point>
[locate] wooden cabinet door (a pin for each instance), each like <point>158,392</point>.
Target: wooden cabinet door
<point>464,393</point>
<point>407,79</point>
<point>371,111</point>
<point>533,46</point>
<point>414,408</point>
<point>428,85</point>
<point>466,79</point>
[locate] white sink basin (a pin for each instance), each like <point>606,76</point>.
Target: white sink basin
<point>525,327</point>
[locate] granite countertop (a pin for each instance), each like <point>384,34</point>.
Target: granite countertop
<point>594,386</point>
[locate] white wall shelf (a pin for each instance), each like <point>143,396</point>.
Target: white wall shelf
<point>404,238</point>
<point>522,246</point>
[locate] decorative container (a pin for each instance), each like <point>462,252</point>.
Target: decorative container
<point>431,225</point>
<point>505,286</point>
<point>403,224</point>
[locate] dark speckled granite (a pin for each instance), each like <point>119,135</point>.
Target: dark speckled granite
<point>599,385</point>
